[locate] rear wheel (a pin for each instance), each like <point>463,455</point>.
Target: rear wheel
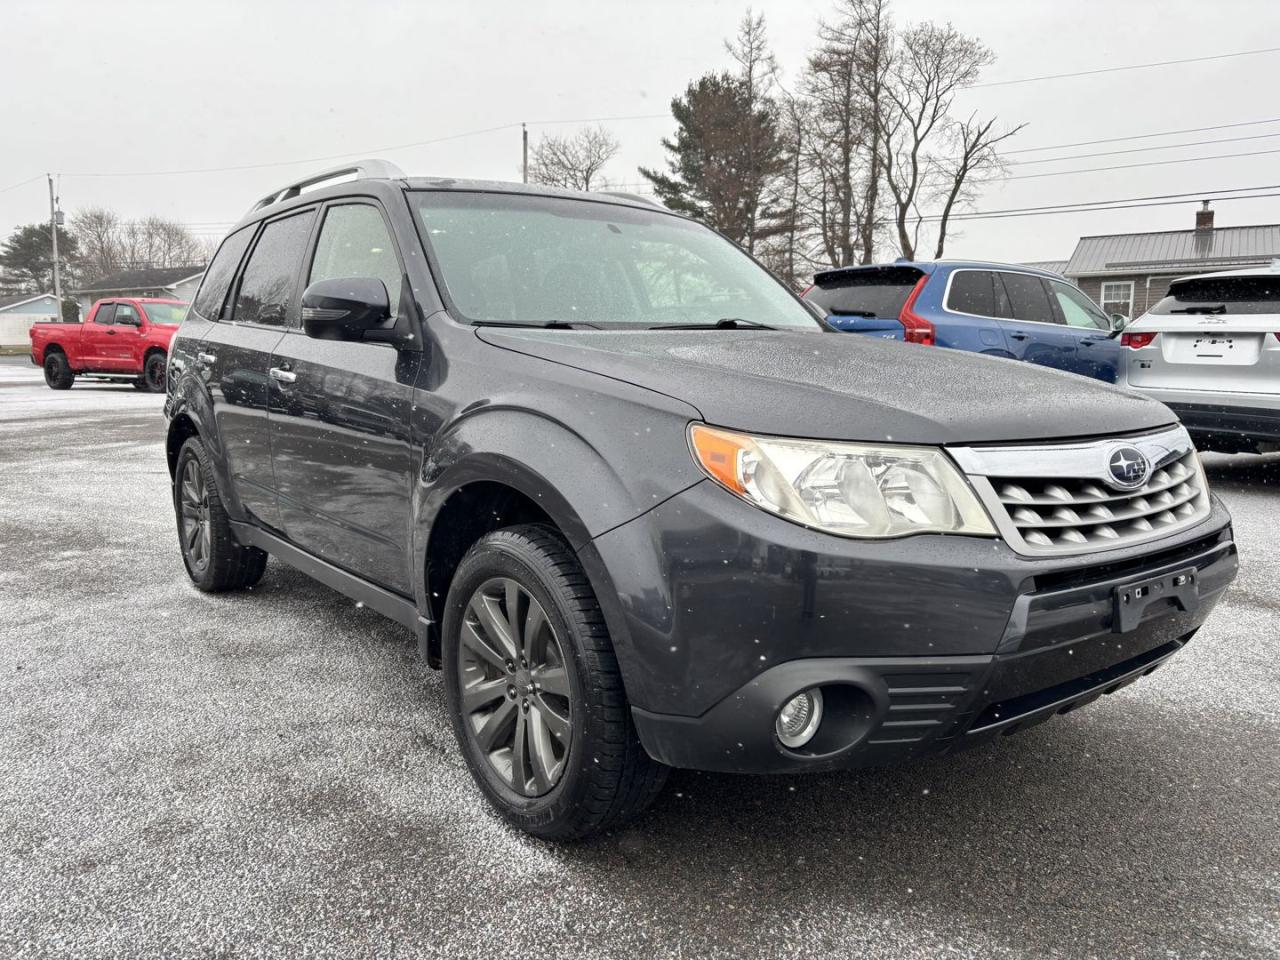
<point>214,559</point>
<point>57,371</point>
<point>535,693</point>
<point>153,372</point>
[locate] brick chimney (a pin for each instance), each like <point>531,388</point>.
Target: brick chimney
<point>1204,217</point>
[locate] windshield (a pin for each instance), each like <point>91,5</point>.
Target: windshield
<point>1210,295</point>
<point>170,314</point>
<point>509,258</point>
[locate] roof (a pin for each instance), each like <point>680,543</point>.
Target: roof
<point>1048,266</point>
<point>147,279</point>
<point>17,299</point>
<point>1270,270</point>
<point>929,266</point>
<point>1174,251</point>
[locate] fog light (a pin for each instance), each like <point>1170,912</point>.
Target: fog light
<point>799,718</point>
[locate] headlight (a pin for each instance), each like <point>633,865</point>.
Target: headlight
<point>849,489</point>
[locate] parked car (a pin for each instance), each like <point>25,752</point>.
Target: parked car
<point>1211,351</point>
<point>1003,310</point>
<point>646,510</point>
<point>121,340</point>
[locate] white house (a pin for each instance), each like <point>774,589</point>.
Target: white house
<point>18,312</point>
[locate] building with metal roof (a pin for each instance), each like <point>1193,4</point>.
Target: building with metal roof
<point>1128,272</point>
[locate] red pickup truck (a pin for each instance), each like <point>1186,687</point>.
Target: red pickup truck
<point>122,340</point>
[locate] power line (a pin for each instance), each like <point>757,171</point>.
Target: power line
<point>38,176</point>
<point>1124,206</point>
<point>1102,204</point>
<point>1133,66</point>
<point>1149,163</point>
<point>1162,146</point>
<point>1143,136</point>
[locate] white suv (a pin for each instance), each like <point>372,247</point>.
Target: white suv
<point>1211,351</point>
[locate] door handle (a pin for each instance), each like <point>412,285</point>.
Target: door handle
<point>111,333</point>
<point>207,358</point>
<point>284,376</point>
<point>1019,336</point>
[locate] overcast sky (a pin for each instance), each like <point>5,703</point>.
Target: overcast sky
<point>103,92</point>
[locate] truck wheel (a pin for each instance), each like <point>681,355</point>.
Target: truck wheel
<point>535,693</point>
<point>153,372</point>
<point>57,372</point>
<point>213,558</point>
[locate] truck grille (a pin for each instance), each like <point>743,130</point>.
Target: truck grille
<point>1053,500</point>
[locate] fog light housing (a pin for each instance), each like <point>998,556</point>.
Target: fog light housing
<point>799,718</point>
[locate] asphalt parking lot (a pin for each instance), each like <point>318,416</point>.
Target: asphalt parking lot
<point>272,774</point>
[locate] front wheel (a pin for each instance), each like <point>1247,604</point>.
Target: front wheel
<point>535,693</point>
<point>214,559</point>
<point>153,372</point>
<point>57,371</point>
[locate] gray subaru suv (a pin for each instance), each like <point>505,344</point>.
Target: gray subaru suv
<point>646,510</point>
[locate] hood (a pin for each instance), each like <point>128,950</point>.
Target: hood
<point>846,387</point>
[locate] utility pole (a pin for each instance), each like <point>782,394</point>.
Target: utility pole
<point>524,137</point>
<point>55,216</point>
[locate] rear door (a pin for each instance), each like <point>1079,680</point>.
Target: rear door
<point>340,416</point>
<point>1036,333</point>
<point>1212,333</point>
<point>96,336</point>
<point>866,300</point>
<point>235,355</point>
<point>1097,350</point>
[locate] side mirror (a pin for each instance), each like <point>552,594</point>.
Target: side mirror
<point>128,321</point>
<point>344,309</point>
<point>1118,322</point>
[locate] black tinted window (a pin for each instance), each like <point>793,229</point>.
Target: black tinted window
<point>1028,298</point>
<point>213,289</point>
<point>106,314</point>
<point>972,292</point>
<point>1223,295</point>
<point>880,293</point>
<point>266,291</point>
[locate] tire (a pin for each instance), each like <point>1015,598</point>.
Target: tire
<point>154,372</point>
<point>214,560</point>
<point>141,384</point>
<point>57,371</point>
<point>602,777</point>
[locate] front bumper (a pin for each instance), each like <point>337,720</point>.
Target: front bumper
<point>921,645</point>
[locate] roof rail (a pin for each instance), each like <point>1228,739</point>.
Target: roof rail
<point>633,197</point>
<point>363,170</point>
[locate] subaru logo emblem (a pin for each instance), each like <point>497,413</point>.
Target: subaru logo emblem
<point>1127,468</point>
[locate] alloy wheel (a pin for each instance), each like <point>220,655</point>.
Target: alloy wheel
<point>155,374</point>
<point>193,498</point>
<point>514,686</point>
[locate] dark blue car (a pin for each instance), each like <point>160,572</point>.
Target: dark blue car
<point>999,309</point>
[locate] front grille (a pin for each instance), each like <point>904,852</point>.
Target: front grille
<point>1056,499</point>
<point>1075,512</point>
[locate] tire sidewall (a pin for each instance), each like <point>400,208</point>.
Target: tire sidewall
<point>519,561</point>
<point>56,370</point>
<point>156,384</point>
<point>191,450</point>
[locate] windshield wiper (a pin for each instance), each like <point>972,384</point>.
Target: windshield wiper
<point>724,323</point>
<point>543,325</point>
<point>1207,308</point>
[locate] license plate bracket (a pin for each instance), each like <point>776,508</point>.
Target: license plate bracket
<point>1130,600</point>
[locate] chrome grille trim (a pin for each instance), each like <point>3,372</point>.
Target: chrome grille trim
<point>1054,499</point>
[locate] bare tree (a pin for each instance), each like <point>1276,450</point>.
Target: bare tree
<point>971,160</point>
<point>97,230</point>
<point>930,65</point>
<point>573,162</point>
<point>110,244</point>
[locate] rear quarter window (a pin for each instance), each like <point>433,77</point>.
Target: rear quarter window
<point>971,291</point>
<point>880,293</point>
<point>217,278</point>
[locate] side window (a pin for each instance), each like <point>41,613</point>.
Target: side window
<point>972,292</point>
<point>106,314</point>
<point>354,242</point>
<point>217,278</point>
<point>266,289</point>
<point>1028,298</point>
<point>125,313</point>
<point>1077,309</point>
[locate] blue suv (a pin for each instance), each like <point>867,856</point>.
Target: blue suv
<point>998,309</point>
